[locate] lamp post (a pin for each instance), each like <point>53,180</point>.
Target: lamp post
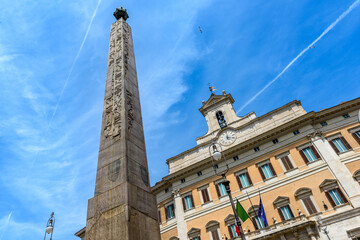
<point>50,226</point>
<point>217,156</point>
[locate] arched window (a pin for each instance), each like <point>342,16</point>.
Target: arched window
<point>213,228</point>
<point>307,201</point>
<point>194,234</point>
<point>221,119</point>
<point>230,223</point>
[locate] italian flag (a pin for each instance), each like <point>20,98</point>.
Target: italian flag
<point>241,212</point>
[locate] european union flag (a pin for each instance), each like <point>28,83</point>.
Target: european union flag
<point>261,213</point>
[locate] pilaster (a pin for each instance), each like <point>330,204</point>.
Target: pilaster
<point>338,169</point>
<point>179,213</point>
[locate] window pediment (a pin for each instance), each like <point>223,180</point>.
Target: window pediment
<point>193,232</point>
<point>281,201</point>
<point>253,211</point>
<point>328,184</point>
<point>212,225</point>
<point>302,193</point>
<point>230,219</point>
<point>174,238</point>
<point>357,175</point>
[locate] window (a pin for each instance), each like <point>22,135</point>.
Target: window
<point>346,116</point>
<point>256,149</point>
<point>323,124</point>
<point>332,192</point>
<point>204,193</point>
<point>166,190</point>
<point>296,132</point>
<point>283,206</point>
<point>213,228</point>
<point>159,217</point>
<point>285,213</point>
<point>305,196</point>
<point>309,154</point>
<point>221,119</point>
<point>339,144</point>
<point>236,158</point>
<point>195,238</point>
<point>220,189</point>
<point>199,173</point>
<point>256,220</point>
<point>216,166</point>
<point>215,235</point>
<point>230,223</point>
<point>266,170</point>
<point>188,202</point>
<point>275,141</point>
<point>182,180</point>
<point>287,163</point>
<point>243,179</point>
<point>232,231</point>
<point>169,211</point>
<point>335,197</point>
<point>356,135</point>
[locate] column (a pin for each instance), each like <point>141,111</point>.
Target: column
<point>179,213</point>
<point>338,169</point>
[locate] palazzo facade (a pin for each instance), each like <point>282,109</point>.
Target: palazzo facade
<point>306,165</point>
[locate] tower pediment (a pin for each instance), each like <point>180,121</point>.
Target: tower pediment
<point>215,100</point>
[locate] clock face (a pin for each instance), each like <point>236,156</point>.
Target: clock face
<point>227,137</point>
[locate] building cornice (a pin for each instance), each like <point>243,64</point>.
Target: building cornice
<point>309,118</point>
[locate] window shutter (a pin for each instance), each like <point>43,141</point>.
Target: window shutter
<point>315,152</point>
<point>261,173</point>
<point>356,137</point>
<point>217,190</point>
<point>287,163</point>
<point>330,199</point>
<point>215,235</point>
<point>281,214</point>
<point>342,196</point>
<point>184,203</point>
<point>205,195</point>
<point>334,147</point>
<point>302,154</point>
<point>347,145</point>
<point>248,177</point>
<point>272,169</point>
<point>291,212</point>
<point>309,205</point>
<point>159,216</point>
<point>255,223</point>
<point>173,209</point>
<point>166,213</point>
<point>192,201</point>
<point>230,231</point>
<point>239,182</point>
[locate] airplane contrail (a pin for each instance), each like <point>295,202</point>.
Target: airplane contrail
<point>6,225</point>
<point>330,27</point>
<point>74,62</point>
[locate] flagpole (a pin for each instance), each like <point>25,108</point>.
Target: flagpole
<point>238,223</point>
<point>252,208</point>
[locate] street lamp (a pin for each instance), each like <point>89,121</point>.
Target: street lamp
<point>215,151</point>
<point>50,226</point>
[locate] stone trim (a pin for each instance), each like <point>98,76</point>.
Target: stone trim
<point>281,201</point>
<point>303,193</point>
<point>328,184</point>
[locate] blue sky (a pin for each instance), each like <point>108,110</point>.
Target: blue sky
<point>50,120</point>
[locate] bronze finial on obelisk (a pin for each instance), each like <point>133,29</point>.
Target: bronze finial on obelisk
<point>123,206</point>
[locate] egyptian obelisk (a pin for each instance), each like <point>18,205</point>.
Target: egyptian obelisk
<point>123,206</point>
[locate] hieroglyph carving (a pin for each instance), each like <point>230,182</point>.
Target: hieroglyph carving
<point>118,66</point>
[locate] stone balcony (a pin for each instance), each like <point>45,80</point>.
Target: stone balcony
<point>300,227</point>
